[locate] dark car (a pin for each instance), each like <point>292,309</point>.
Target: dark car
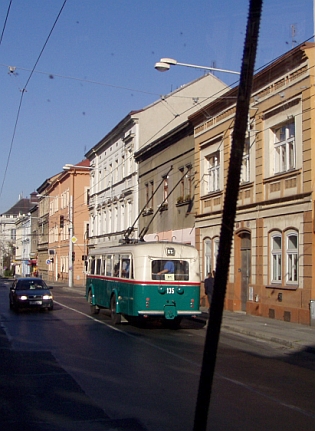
<point>30,292</point>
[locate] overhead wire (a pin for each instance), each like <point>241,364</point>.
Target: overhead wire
<point>85,80</point>
<point>33,70</point>
<point>5,21</point>
<point>22,95</point>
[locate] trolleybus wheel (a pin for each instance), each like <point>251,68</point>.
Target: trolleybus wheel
<point>116,318</point>
<point>93,308</point>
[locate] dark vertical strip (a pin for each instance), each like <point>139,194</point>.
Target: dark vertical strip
<point>228,218</point>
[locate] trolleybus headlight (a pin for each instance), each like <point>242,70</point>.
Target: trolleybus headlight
<point>161,289</point>
<point>192,303</point>
<point>180,290</point>
<point>147,302</point>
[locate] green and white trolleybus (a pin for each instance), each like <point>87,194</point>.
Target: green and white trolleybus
<point>144,279</point>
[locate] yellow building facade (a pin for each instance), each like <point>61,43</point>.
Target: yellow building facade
<point>272,269</point>
<point>63,225</point>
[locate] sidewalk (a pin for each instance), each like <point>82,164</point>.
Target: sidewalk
<point>291,335</point>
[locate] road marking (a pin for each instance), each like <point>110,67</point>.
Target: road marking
<point>90,317</point>
<point>219,375</point>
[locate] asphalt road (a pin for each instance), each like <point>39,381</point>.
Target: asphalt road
<point>92,375</point>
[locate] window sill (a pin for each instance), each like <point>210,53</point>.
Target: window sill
<point>211,195</point>
<point>286,287</point>
<point>163,208</point>
<point>180,204</point>
<point>282,175</point>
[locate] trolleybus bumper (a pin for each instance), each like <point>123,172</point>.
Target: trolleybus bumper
<point>162,313</point>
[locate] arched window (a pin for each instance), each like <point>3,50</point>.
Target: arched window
<point>211,250</point>
<point>207,254</point>
<point>292,257</point>
<point>276,258</point>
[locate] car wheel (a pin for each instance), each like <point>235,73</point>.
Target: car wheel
<point>115,317</point>
<point>93,308</point>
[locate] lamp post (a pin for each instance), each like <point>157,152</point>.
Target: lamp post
<point>165,63</point>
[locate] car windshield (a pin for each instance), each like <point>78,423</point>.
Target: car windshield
<point>30,284</point>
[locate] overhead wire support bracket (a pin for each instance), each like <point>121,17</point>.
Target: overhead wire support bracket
<point>145,229</point>
<point>131,228</point>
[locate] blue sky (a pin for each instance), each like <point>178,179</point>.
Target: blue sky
<point>98,65</point>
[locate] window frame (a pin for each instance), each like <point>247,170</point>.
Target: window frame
<point>213,171</point>
<point>284,147</point>
<point>245,169</point>
<point>276,259</point>
<point>291,265</point>
<point>211,250</point>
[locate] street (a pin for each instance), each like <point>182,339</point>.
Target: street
<point>149,375</point>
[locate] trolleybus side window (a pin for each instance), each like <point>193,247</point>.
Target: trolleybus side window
<point>170,270</point>
<point>98,266</point>
<point>109,268</point>
<point>116,265</point>
<point>92,265</point>
<point>125,266</point>
<point>103,266</point>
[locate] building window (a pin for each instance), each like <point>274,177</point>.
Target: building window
<point>284,147</point>
<point>207,251</point>
<point>213,162</point>
<point>147,193</point>
<point>284,248</point>
<point>87,195</point>
<point>245,172</point>
<point>116,171</point>
<point>292,258</point>
<point>182,182</point>
<point>110,176</point>
<point>211,249</point>
<point>276,258</point>
<point>188,184</point>
<point>165,189</point>
<point>123,166</point>
<point>13,234</point>
<point>185,184</point>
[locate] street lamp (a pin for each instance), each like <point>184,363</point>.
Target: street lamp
<point>165,63</point>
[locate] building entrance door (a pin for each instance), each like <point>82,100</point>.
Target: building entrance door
<point>245,267</point>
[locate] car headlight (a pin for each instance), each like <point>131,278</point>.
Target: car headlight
<point>47,297</point>
<point>23,297</point>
